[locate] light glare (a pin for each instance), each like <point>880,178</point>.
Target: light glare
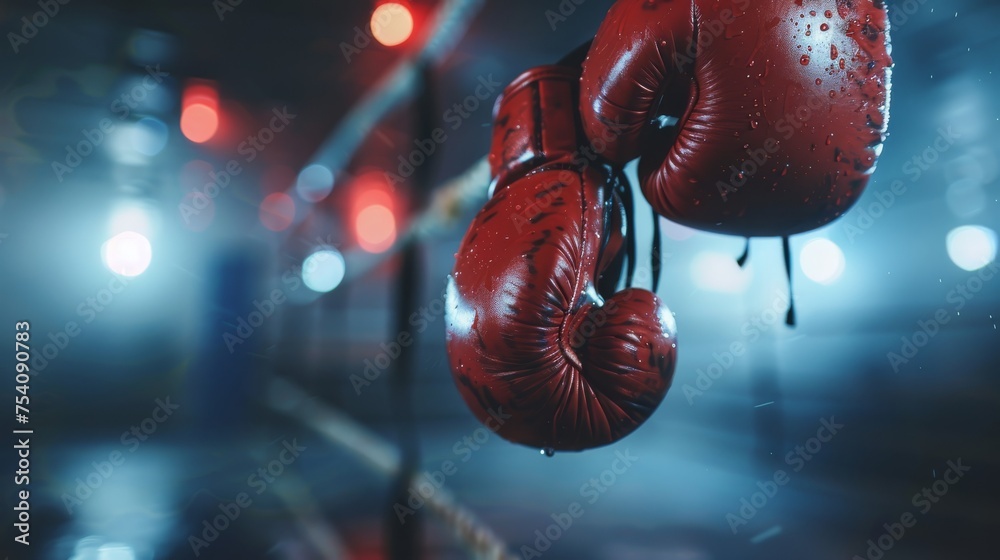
<point>376,228</point>
<point>972,247</point>
<point>115,551</point>
<point>822,261</point>
<point>314,182</point>
<point>323,270</point>
<point>392,23</point>
<point>199,122</point>
<point>127,254</point>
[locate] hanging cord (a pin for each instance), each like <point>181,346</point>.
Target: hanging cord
<point>790,318</point>
<point>742,259</point>
<point>625,191</point>
<point>607,285</point>
<point>786,248</point>
<point>656,256</point>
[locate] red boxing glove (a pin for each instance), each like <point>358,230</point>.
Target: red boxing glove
<point>782,106</point>
<point>536,352</point>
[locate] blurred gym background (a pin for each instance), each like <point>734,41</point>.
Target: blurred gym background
<point>229,225</point>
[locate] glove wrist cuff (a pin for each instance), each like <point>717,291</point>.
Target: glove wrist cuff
<point>537,120</point>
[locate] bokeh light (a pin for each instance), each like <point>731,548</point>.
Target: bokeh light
<point>150,136</point>
<point>199,122</point>
<point>392,24</point>
<point>373,214</point>
<point>314,182</point>
<point>972,247</point>
<point>965,198</point>
<point>376,228</point>
<point>200,91</point>
<point>195,174</point>
<point>822,261</point>
<point>323,270</point>
<point>134,143</point>
<point>146,46</point>
<point>196,210</point>
<point>277,211</point>
<point>115,551</point>
<point>719,272</point>
<point>128,253</point>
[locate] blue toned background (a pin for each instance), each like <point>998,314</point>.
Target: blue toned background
<point>265,243</point>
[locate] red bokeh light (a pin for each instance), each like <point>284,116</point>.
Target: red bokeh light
<point>392,23</point>
<point>200,111</point>
<point>200,92</point>
<point>375,220</point>
<point>199,122</point>
<point>277,211</point>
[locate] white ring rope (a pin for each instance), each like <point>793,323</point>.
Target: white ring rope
<point>340,429</point>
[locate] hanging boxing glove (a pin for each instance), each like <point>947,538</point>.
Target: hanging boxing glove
<point>537,353</point>
<point>782,107</point>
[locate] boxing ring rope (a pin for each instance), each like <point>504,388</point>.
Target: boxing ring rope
<point>449,201</point>
<point>381,456</point>
<point>295,494</point>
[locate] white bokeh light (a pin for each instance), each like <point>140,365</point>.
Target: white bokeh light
<point>972,247</point>
<point>822,261</point>
<point>965,198</point>
<point>719,272</point>
<point>91,548</point>
<point>115,551</point>
<point>314,182</point>
<point>323,270</point>
<point>133,143</point>
<point>128,253</point>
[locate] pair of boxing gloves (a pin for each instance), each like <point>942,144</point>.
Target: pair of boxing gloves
<point>782,108</point>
